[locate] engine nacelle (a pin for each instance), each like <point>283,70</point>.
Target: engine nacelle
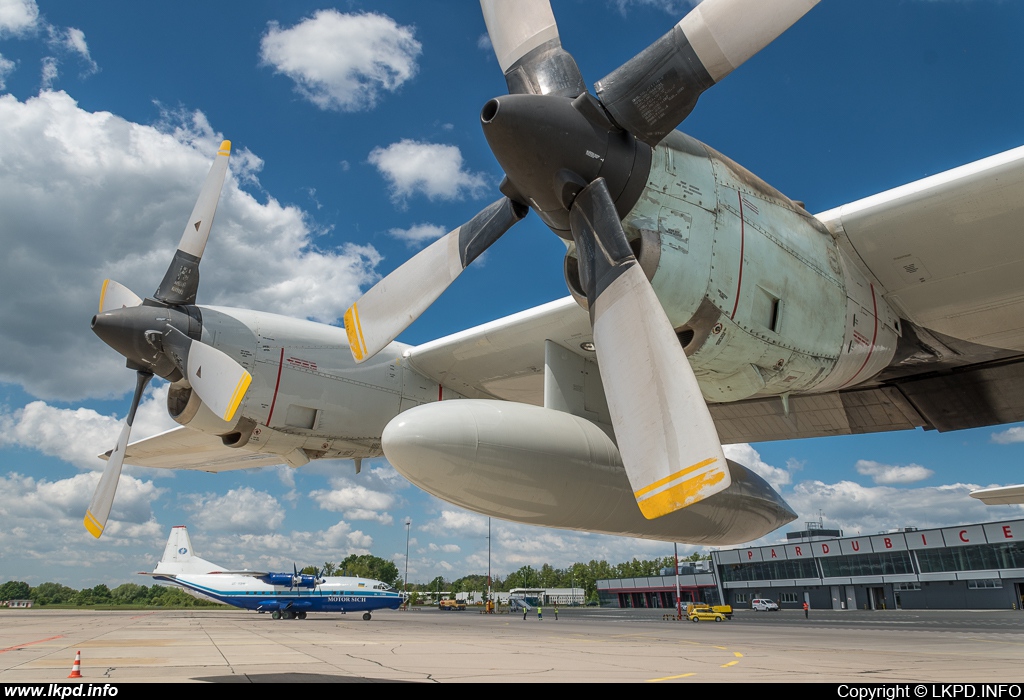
<point>186,408</point>
<point>290,580</point>
<point>545,467</point>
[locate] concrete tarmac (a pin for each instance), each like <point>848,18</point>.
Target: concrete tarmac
<point>583,645</point>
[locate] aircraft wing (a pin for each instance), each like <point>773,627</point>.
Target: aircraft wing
<point>947,249</point>
<point>504,359</point>
<point>185,448</point>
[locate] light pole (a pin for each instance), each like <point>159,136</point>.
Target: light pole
<point>487,603</point>
<point>408,527</point>
<point>679,603</point>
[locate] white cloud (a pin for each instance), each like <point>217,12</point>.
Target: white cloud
<point>278,551</point>
<point>355,502</point>
<point>457,523</point>
<point>418,235</point>
<point>241,510</point>
<point>891,474</point>
<point>343,61</point>
<point>433,169</point>
<point>746,455</point>
<point>18,17</point>
<point>872,509</point>
<point>53,510</point>
<point>78,435</point>
<point>72,40</point>
<point>113,196</point>
<point>49,72</point>
<point>676,8</point>
<point>1009,435</point>
<point>6,68</point>
<point>447,548</point>
<point>483,42</point>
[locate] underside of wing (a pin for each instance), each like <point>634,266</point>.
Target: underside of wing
<point>947,249</point>
<point>964,387</point>
<point>504,359</point>
<point>184,448</point>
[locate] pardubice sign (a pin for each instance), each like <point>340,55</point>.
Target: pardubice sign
<point>962,536</point>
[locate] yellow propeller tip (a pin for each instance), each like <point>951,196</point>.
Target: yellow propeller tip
<point>225,148</point>
<point>92,525</point>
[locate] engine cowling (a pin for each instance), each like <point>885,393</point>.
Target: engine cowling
<point>545,467</point>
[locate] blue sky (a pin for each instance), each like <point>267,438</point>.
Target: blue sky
<point>109,118</point>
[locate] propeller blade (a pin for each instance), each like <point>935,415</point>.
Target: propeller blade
<point>524,36</point>
<point>103,498</point>
<point>114,295</point>
<point>392,304</point>
<point>654,91</point>
<point>219,381</point>
<point>181,281</point>
<point>665,434</point>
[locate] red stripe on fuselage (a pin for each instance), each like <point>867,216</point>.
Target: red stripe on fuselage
<point>277,386</point>
<point>874,337</point>
<point>739,282</point>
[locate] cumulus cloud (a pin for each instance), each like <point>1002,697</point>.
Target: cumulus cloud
<point>49,72</point>
<point>872,509</point>
<point>18,17</point>
<point>6,68</point>
<point>418,235</point>
<point>241,510</point>
<point>676,8</point>
<point>448,548</point>
<point>343,61</point>
<point>744,454</point>
<point>891,474</point>
<point>457,522</point>
<point>72,40</point>
<point>355,501</point>
<point>44,539</point>
<point>78,435</point>
<point>278,551</point>
<point>112,196</point>
<point>1009,435</point>
<point>433,169</point>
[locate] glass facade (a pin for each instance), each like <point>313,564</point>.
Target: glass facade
<point>1009,555</point>
<point>769,570</point>
<point>877,564</point>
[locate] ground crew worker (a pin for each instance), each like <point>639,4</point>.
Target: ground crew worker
<point>540,613</point>
<point>525,610</point>
<point>556,611</point>
<point>806,608</point>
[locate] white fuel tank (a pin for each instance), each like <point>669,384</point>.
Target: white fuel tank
<point>545,467</point>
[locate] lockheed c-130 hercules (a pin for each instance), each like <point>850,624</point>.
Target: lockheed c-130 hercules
<point>705,306</point>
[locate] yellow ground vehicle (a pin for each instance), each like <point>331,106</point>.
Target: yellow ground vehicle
<point>449,604</point>
<point>700,612</point>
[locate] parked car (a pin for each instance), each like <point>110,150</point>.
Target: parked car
<point>764,604</point>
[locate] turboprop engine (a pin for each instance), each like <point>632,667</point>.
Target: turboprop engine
<point>546,467</point>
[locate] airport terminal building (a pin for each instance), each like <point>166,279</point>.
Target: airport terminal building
<point>965,567</point>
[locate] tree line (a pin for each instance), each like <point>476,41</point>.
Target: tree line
<point>126,594</point>
<point>578,575</point>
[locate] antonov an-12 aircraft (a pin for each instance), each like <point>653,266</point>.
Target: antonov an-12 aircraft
<point>288,596</point>
<point>706,306</point>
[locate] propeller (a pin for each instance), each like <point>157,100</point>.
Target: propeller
<point>103,498</point>
<point>581,162</point>
<point>375,320</point>
<point>160,336</point>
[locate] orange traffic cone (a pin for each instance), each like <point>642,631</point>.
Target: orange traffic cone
<point>76,670</point>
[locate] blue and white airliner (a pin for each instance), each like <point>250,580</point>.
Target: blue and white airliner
<point>286,596</point>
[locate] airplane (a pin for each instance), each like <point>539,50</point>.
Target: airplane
<point>705,307</point>
<point>286,596</point>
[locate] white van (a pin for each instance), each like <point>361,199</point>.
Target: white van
<point>764,604</point>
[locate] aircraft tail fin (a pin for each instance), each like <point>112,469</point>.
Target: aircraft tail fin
<point>179,558</point>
